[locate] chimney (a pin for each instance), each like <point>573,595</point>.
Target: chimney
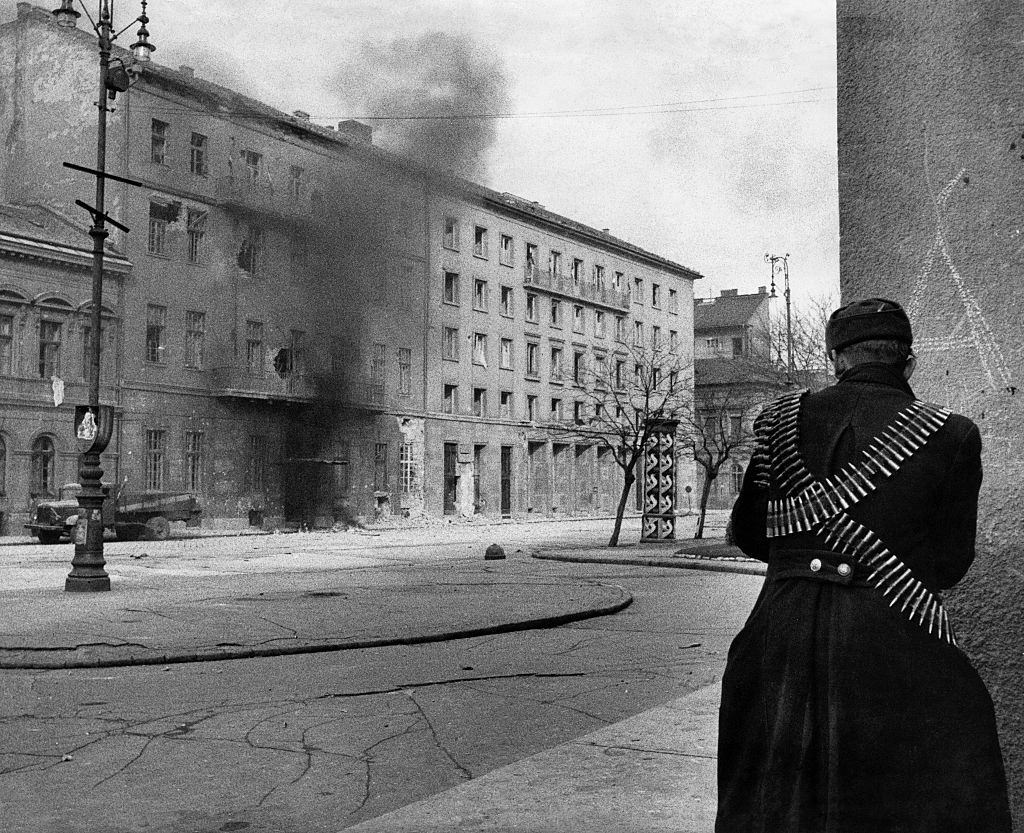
<point>301,115</point>
<point>356,130</point>
<point>730,293</point>
<point>187,71</point>
<point>762,290</point>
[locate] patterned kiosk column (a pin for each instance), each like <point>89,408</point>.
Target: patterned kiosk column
<point>659,519</point>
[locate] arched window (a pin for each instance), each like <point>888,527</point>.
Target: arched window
<point>736,477</point>
<point>43,467</point>
<point>3,467</point>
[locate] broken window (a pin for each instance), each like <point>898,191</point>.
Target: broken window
<point>250,256</point>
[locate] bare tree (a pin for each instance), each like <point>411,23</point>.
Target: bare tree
<point>720,427</point>
<point>811,366</point>
<point>620,395</point>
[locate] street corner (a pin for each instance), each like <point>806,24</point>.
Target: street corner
<point>280,622</point>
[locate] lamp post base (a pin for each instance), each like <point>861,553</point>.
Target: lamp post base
<point>87,584</point>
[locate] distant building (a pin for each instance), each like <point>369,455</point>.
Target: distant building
<point>303,328</point>
<point>736,372</point>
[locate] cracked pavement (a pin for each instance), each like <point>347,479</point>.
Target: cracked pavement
<point>323,741</point>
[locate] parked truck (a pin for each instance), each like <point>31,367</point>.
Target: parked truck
<point>129,516</point>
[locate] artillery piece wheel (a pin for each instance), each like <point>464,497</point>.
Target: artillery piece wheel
<point>158,528</point>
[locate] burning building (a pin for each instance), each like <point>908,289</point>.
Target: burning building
<point>308,328</point>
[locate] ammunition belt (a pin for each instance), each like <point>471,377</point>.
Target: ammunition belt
<point>806,504</point>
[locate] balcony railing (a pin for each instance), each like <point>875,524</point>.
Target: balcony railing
<point>262,197</point>
<point>241,382</point>
<point>566,286</point>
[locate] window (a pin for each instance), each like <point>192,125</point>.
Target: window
<point>450,344</point>
<point>480,349</point>
<point>618,281</point>
<point>3,467</point>
<point>531,407</point>
<point>480,241</point>
<point>556,409</point>
<point>638,332</point>
<point>406,468</point>
<point>156,458</point>
<point>577,318</point>
<point>252,162</point>
<point>579,365</point>
<point>506,301</point>
<point>451,399</point>
<point>599,323</point>
<point>49,348</point>
<point>505,403</point>
<point>451,233</point>
<point>600,370</point>
<point>531,308</point>
<point>638,290</point>
<point>194,461</point>
<point>737,346</point>
<point>736,477</point>
<point>673,302</point>
<point>556,313</point>
<point>532,359</point>
<point>195,339</point>
<point>254,358</point>
<point>556,363</point>
<point>531,257</point>
<point>404,371</point>
<point>257,462</point>
<point>578,413</point>
<point>555,262</point>
<point>480,295</point>
<point>158,142</point>
<point>6,345</point>
<point>577,271</point>
<point>197,154</point>
<point>160,215</point>
<point>505,354</point>
<point>673,339</point>
<point>655,295</point>
<point>620,328</point>
<point>380,467</point>
<point>620,369</point>
<point>156,325</point>
<point>43,467</point>
<point>296,182</point>
<point>506,251</point>
<point>656,336</point>
<point>713,344</point>
<point>735,428</point>
<point>451,287</point>
<point>479,402</point>
<point>599,276</point>
<point>378,368</point>
<point>196,233</point>
<point>250,257</point>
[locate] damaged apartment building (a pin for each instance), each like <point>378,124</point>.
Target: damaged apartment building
<point>300,326</point>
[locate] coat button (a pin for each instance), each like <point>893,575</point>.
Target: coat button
<point>844,569</point>
<point>815,565</point>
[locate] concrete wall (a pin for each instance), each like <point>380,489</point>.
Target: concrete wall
<point>931,171</point>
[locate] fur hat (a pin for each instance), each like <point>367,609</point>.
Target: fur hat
<point>872,318</point>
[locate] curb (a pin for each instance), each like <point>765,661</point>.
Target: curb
<point>681,562</point>
<point>220,653</point>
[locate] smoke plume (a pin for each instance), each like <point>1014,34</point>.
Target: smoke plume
<point>435,74</point>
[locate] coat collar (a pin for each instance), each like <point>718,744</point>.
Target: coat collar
<point>876,373</point>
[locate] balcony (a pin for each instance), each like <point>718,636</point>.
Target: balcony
<point>243,383</point>
<point>261,197</point>
<point>566,287</point>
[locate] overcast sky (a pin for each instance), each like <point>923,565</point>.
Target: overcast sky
<point>738,161</point>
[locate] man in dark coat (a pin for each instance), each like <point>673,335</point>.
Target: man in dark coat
<point>846,704</point>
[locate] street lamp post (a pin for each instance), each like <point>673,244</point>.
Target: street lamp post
<point>93,423</point>
<point>774,260</point>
